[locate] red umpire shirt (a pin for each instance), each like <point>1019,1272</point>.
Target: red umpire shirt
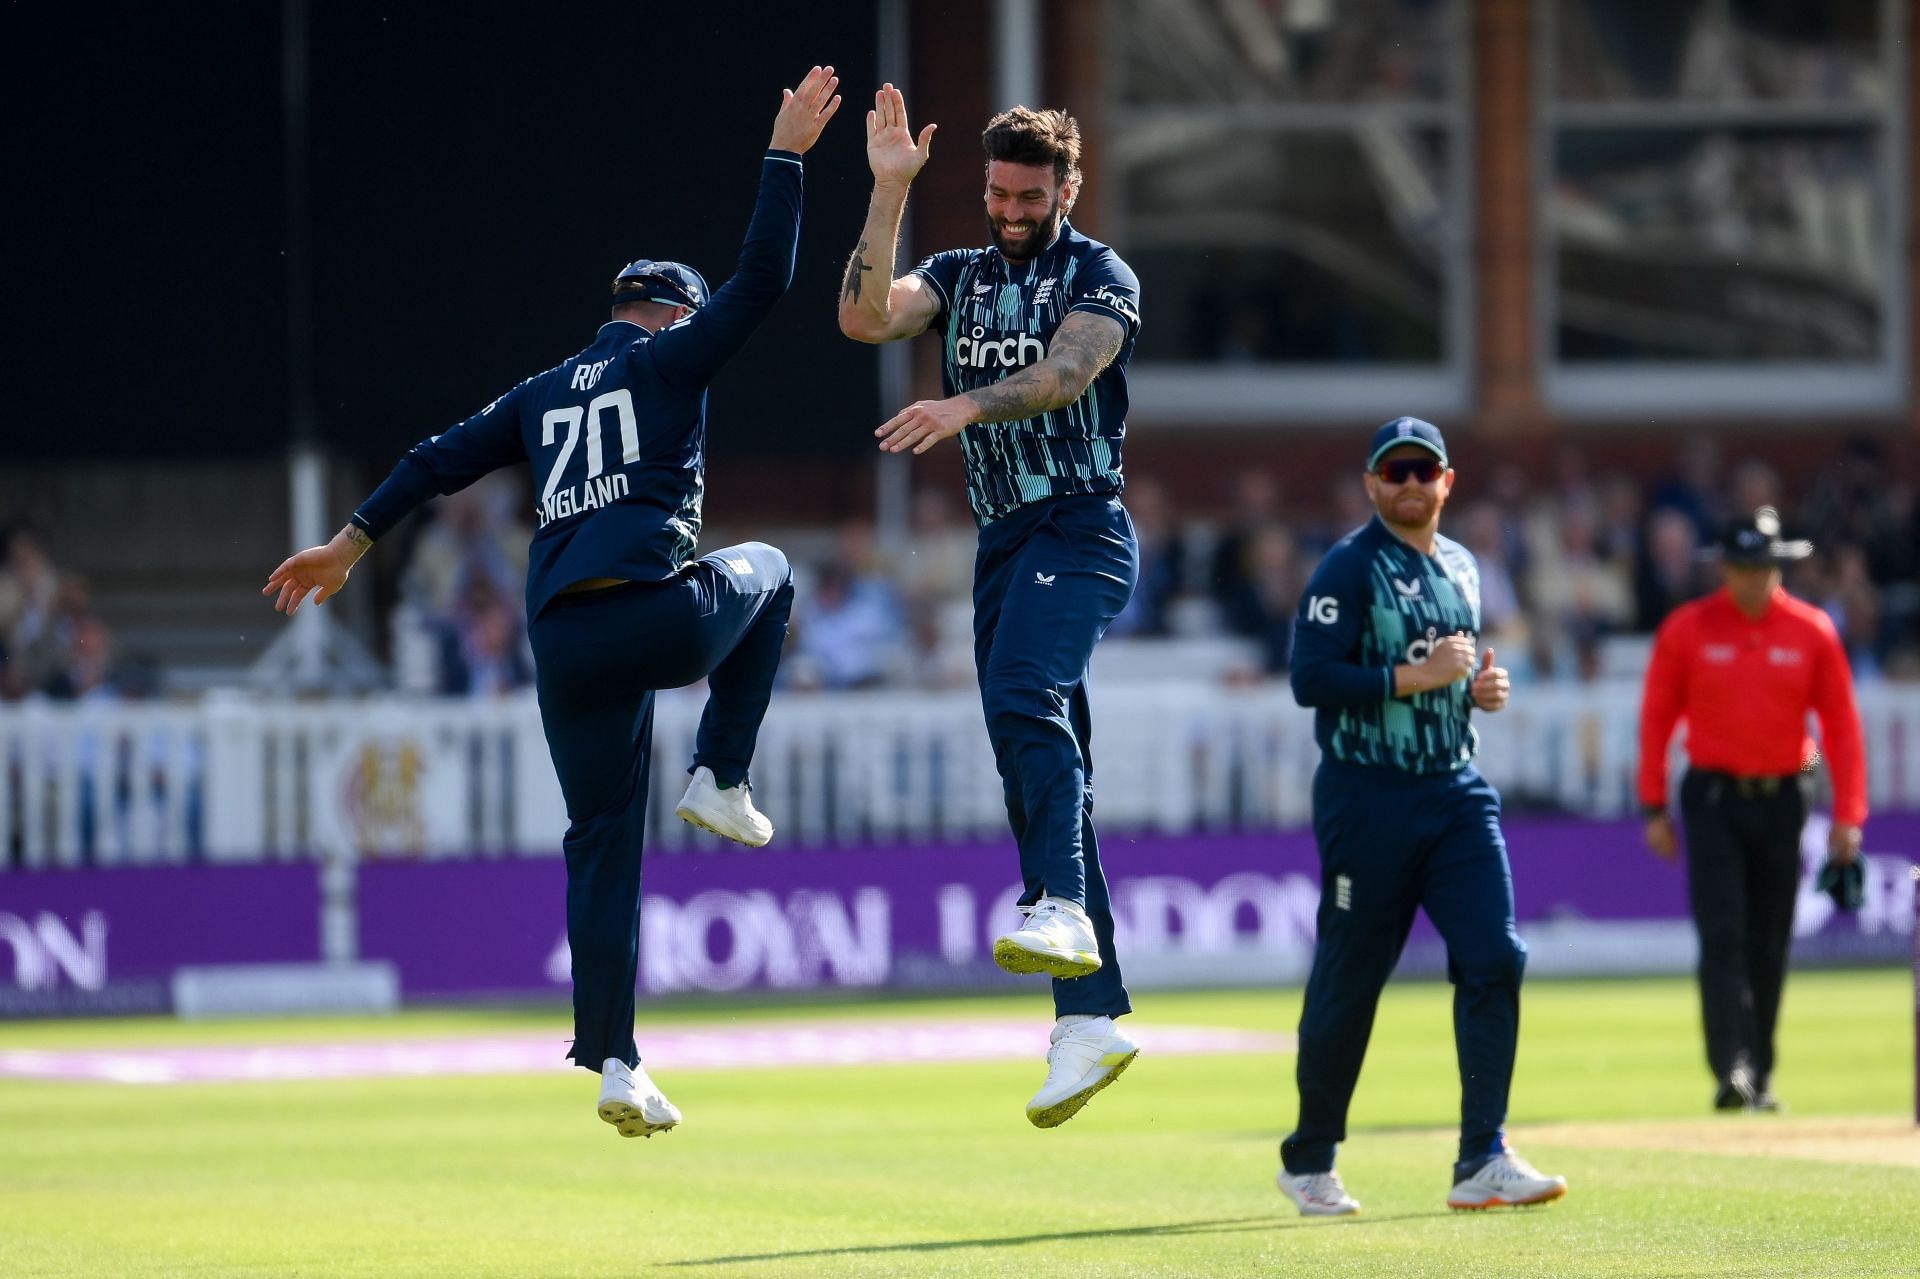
<point>1744,686</point>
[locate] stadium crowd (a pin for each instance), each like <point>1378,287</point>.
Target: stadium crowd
<point>1573,566</point>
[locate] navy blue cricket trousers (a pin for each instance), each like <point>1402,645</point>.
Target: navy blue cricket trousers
<point>599,656</point>
<point>1392,841</point>
<point>1048,579</point>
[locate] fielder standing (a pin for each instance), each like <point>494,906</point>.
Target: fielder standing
<point>1384,652</point>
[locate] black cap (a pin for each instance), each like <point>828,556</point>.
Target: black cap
<point>1406,430</point>
<point>1755,542</point>
<point>668,282</point>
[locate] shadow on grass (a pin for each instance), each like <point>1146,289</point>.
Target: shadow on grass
<point>1226,1225</point>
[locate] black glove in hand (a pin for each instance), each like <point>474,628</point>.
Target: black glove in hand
<point>1847,885</point>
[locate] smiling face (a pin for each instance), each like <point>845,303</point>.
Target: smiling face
<point>1410,503</point>
<point>1025,204</point>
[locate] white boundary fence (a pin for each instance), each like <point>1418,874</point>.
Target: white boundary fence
<point>240,778</point>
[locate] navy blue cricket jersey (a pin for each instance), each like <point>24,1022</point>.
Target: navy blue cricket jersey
<point>1373,603</point>
<point>617,434</point>
<point>999,316</point>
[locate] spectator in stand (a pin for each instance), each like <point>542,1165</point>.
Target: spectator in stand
<point>81,645</point>
<point>1578,595</point>
<point>1671,573</point>
<point>1839,585</point>
<point>938,563</point>
<point>1754,485</point>
<point>1511,490</point>
<point>1851,502</point>
<point>1503,624</point>
<point>485,649</point>
<point>849,629</point>
<point>473,554</point>
<point>29,595</point>
<point>935,573</point>
<point>1256,505</point>
<point>1162,564</point>
<point>1622,516</point>
<point>1263,604</point>
<point>1693,489</point>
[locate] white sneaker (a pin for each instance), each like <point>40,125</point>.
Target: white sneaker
<point>1506,1181</point>
<point>1057,939</point>
<point>1317,1194</point>
<point>632,1102</point>
<point>1085,1057</point>
<point>729,813</point>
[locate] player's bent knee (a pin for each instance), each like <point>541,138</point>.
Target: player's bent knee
<point>1501,965</point>
<point>1011,707</point>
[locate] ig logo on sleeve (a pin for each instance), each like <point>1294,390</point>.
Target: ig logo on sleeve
<point>1323,609</point>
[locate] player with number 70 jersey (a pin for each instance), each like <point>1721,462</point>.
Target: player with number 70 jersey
<point>617,607</point>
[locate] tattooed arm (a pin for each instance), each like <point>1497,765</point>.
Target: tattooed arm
<point>875,307</point>
<point>319,570</point>
<point>1084,344</point>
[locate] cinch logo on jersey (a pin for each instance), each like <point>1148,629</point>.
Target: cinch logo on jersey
<point>976,350</point>
<point>1421,649</point>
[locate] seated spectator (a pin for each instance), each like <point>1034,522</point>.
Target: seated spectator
<point>484,646</point>
<point>1255,506</point>
<point>471,558</point>
<point>1262,605</point>
<point>1503,624</point>
<point>1578,595</point>
<point>936,565</point>
<point>1671,572</point>
<point>849,629</point>
<point>29,596</point>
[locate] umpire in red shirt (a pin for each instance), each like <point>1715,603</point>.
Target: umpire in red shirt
<point>1743,666</point>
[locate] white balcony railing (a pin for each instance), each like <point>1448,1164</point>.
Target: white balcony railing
<point>236,778</point>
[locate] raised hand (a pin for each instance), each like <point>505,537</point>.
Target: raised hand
<point>804,111</point>
<point>893,153</point>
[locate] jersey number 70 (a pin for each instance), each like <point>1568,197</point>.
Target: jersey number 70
<point>619,400</point>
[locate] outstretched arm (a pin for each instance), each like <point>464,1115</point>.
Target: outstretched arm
<point>319,571</point>
<point>875,307</point>
<point>692,352</point>
<point>1084,344</point>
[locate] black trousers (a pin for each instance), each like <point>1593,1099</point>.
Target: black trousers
<point>1743,873</point>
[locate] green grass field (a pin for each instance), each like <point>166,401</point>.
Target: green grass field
<point>933,1170</point>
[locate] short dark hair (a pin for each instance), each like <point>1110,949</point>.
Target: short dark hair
<point>1025,136</point>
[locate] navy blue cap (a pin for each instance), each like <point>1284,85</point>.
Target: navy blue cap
<point>668,282</point>
<point>1406,430</point>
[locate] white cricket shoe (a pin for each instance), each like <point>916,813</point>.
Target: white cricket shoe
<point>632,1102</point>
<point>1317,1194</point>
<point>1057,939</point>
<point>729,813</point>
<point>1506,1181</point>
<point>1085,1057</point>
